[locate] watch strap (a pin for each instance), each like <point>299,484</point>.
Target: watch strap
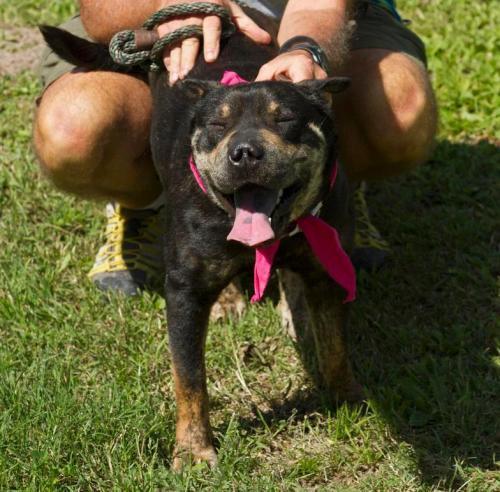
<point>307,44</point>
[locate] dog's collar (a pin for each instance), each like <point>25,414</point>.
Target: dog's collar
<point>323,239</point>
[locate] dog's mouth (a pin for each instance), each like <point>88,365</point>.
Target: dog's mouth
<point>258,212</point>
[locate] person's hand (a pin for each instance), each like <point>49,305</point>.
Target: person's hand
<point>296,65</point>
<point>180,58</point>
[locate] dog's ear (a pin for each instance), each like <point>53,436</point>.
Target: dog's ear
<point>80,52</point>
<point>331,85</point>
<point>195,88</point>
<point>325,88</point>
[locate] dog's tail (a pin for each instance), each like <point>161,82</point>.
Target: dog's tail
<point>81,52</point>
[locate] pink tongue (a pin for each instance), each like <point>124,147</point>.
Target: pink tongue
<point>253,208</point>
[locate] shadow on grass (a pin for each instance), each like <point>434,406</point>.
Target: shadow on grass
<point>422,332</point>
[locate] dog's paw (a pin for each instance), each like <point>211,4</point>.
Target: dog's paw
<point>230,303</point>
<point>351,393</point>
<point>354,393</point>
<point>184,456</point>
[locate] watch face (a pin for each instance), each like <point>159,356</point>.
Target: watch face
<point>318,56</point>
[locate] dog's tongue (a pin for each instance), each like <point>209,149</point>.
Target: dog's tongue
<point>251,225</point>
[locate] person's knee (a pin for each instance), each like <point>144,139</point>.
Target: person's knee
<point>407,127</point>
<point>70,137</point>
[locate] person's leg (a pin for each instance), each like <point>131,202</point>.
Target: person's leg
<point>91,136</point>
<point>387,117</point>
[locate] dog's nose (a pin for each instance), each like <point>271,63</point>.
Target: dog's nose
<point>246,153</point>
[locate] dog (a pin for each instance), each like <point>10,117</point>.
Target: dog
<point>249,170</point>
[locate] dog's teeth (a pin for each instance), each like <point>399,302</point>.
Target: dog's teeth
<point>269,218</point>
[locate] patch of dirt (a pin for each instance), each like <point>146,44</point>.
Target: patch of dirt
<point>20,49</point>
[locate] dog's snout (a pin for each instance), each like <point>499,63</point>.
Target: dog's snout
<point>248,152</point>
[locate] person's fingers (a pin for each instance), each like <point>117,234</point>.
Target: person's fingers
<point>319,73</point>
<point>266,72</point>
<point>247,26</point>
<point>304,70</point>
<point>167,28</point>
<point>295,66</point>
<point>211,37</point>
<point>162,30</point>
<point>180,59</point>
<point>190,49</point>
<point>175,64</point>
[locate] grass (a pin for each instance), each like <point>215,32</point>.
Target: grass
<point>86,398</point>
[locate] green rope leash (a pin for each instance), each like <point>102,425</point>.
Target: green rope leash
<point>123,47</point>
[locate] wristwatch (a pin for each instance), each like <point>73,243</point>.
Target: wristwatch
<point>307,44</point>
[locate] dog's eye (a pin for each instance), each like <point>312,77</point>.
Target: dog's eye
<point>285,118</point>
<point>217,124</point>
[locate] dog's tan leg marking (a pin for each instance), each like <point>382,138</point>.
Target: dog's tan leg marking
<point>312,310</point>
<point>194,442</point>
<point>328,323</point>
<point>292,305</point>
<point>316,321</point>
<point>231,302</point>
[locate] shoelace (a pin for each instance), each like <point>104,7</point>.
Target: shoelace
<point>138,250</point>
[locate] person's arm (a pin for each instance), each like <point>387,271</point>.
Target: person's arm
<point>326,22</point>
<point>102,19</point>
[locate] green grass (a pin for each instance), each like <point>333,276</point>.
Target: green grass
<point>86,397</point>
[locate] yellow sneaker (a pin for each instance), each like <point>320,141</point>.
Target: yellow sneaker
<point>370,248</point>
<point>131,258</point>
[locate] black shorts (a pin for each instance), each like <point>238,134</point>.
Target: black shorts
<point>376,27</point>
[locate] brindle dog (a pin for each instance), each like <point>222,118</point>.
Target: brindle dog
<point>262,150</point>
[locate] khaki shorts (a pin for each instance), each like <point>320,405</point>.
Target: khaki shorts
<point>375,28</point>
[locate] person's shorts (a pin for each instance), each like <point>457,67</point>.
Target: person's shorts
<point>375,27</point>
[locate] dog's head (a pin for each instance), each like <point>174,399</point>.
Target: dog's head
<point>264,150</point>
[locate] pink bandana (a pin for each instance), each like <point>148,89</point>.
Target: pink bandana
<point>322,238</point>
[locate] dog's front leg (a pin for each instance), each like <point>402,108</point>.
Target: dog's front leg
<point>328,317</point>
<point>188,307</point>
